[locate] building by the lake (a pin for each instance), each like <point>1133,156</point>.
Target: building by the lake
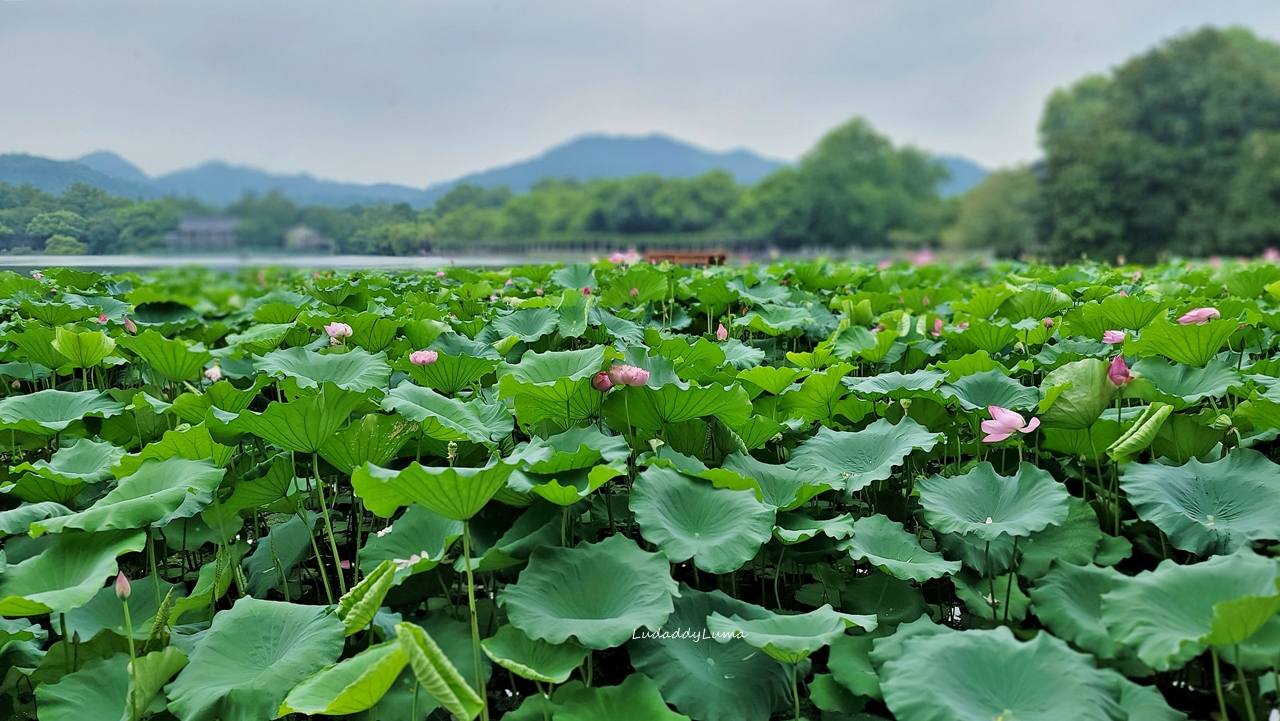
<point>203,233</point>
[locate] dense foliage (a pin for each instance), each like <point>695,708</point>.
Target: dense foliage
<point>642,492</point>
<point>854,188</point>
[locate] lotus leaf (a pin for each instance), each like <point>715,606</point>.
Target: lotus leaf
<point>887,545</point>
<point>852,461</point>
<point>989,505</point>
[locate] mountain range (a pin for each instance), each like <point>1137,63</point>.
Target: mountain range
<point>585,158</point>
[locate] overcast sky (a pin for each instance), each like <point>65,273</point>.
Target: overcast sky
<point>414,91</point>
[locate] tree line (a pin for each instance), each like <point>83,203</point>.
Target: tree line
<point>1175,152</point>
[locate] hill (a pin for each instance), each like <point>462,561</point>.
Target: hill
<point>55,176</point>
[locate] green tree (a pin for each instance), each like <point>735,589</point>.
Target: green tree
<point>1156,157</point>
<point>473,196</point>
<point>856,188</point>
<point>59,222</point>
<point>394,238</point>
<point>773,208</point>
<point>64,245</point>
<point>1004,213</point>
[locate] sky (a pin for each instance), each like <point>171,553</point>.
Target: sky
<point>419,91</point>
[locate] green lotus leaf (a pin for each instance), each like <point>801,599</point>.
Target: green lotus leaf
<point>232,399</point>
<point>710,681</point>
<point>375,438</point>
<point>157,493</point>
<point>987,336</point>
<point>358,607</point>
<point>456,493</point>
<point>774,319</point>
<point>260,338</point>
<point>1208,508</point>
<point>1144,703</point>
<point>194,444</point>
<point>887,545</point>
<point>598,593</point>
<point>459,364</point>
<point>575,448</point>
<point>1076,394</point>
<point>1141,434</point>
<point>48,412</point>
<point>781,486</point>
<point>84,461</point>
<point>1068,601</point>
<point>635,699</point>
<point>1076,540</point>
<point>554,385</point>
<point>304,424</point>
<point>1034,303</point>
<point>1167,614</point>
<point>1237,620</point>
<point>437,674</point>
<point>1192,344</point>
<point>173,358</point>
<point>991,675</point>
<point>852,461</point>
<point>989,505</point>
<point>650,409</point>
<point>418,532</point>
<point>446,419</point>
<point>718,528</point>
<point>18,520</point>
<point>274,557</point>
<point>541,524</point>
<point>850,664</point>
<point>770,379</point>
<point>353,685</point>
<point>566,487</point>
<point>789,639</point>
<point>990,388</point>
<point>1181,385</point>
<point>251,657</point>
<point>527,658</point>
<point>98,691</point>
<point>35,342</point>
<point>529,324</point>
<point>212,582</point>
<point>690,466</point>
<point>576,277</point>
<point>793,528</point>
<point>897,385</point>
<point>991,599</point>
<point>67,574</point>
<point>1182,437</point>
<point>84,350</point>
<point>816,398</point>
<point>354,370</point>
<point>1088,444</point>
<point>1129,312</point>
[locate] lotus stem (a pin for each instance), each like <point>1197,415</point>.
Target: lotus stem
<point>133,656</point>
<point>1244,687</point>
<point>795,691</point>
<point>66,641</point>
<point>1013,576</point>
<point>475,623</point>
<point>324,577</point>
<point>1217,685</point>
<point>328,526</point>
<point>991,579</point>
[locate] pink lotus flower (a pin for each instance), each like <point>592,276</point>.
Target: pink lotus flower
<point>1215,262</point>
<point>130,326</point>
<point>1124,293</point>
<point>1199,316</point>
<point>1137,275</point>
<point>37,275</point>
<point>1271,255</point>
<point>586,291</point>
<point>537,291</point>
<point>964,325</point>
<point>344,564</point>
<point>924,257</point>
<point>635,292</point>
<point>1048,322</point>
<point>1119,372</point>
<point>122,587</point>
<point>601,382</point>
<point>1005,423</point>
<point>722,333</point>
<point>315,274</point>
<point>439,273</point>
<point>338,331</point>
<point>213,373</point>
<point>625,375</point>
<point>1112,337</point>
<point>884,264</point>
<point>423,357</point>
<point>102,318</point>
<point>509,281</point>
<point>937,327</point>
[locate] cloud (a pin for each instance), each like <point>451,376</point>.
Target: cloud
<point>416,92</point>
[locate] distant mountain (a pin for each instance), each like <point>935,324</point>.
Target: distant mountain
<point>602,156</point>
<point>586,158</point>
<point>55,176</point>
<point>109,163</point>
<point>964,175</point>
<point>218,183</point>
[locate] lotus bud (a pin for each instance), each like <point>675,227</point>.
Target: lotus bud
<point>906,404</point>
<point>213,373</point>
<point>130,326</point>
<point>625,375</point>
<point>586,290</point>
<point>722,333</point>
<point>338,331</point>
<point>122,587</point>
<point>963,325</point>
<point>537,291</point>
<point>635,292</point>
<point>601,382</point>
<point>439,273</point>
<point>102,318</point>
<point>37,275</point>
<point>925,301</point>
<point>937,327</point>
<point>1199,316</point>
<point>1112,337</point>
<point>1119,373</point>
<point>423,357</point>
<point>509,281</point>
<point>453,450</point>
<point>1048,322</point>
<point>1221,423</point>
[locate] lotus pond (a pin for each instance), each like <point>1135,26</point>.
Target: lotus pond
<point>642,493</point>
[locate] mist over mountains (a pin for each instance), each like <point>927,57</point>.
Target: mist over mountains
<point>585,158</point>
